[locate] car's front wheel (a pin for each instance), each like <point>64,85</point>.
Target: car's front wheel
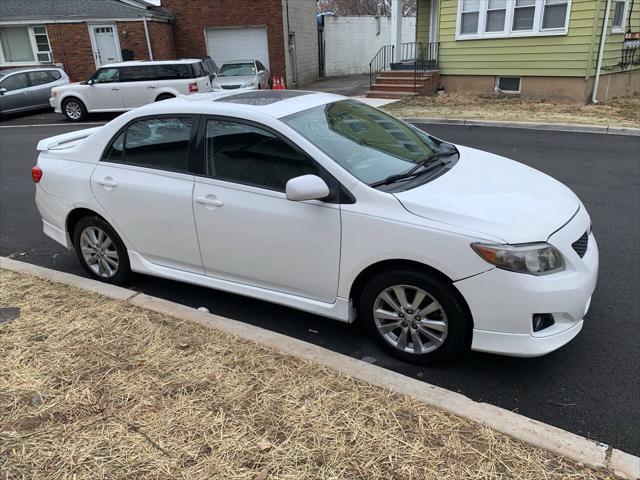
<point>74,109</point>
<point>101,251</point>
<point>415,316</point>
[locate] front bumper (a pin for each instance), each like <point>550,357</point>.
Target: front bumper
<point>53,101</point>
<point>503,303</point>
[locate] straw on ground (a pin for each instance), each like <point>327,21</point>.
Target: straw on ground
<point>94,388</point>
<point>623,112</point>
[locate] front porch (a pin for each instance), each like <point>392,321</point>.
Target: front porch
<point>406,69</point>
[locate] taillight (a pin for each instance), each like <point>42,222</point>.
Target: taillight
<point>36,174</point>
<point>193,87</point>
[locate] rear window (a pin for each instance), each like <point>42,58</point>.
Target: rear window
<point>135,74</point>
<point>198,69</point>
<point>55,74</point>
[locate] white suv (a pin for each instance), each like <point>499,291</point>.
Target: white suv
<point>118,87</point>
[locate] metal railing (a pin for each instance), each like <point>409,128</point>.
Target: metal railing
<point>417,56</point>
<point>380,61</point>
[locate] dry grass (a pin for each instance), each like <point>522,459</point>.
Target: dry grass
<point>95,388</point>
<point>623,112</point>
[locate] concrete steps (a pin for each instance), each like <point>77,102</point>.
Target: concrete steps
<point>402,84</point>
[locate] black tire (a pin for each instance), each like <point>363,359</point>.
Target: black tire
<point>164,96</point>
<point>74,109</point>
<point>457,338</point>
<point>123,269</point>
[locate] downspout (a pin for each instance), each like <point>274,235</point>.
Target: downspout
<point>603,39</point>
<point>146,34</point>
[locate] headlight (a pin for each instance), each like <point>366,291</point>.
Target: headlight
<point>250,83</point>
<point>54,94</point>
<point>531,258</point>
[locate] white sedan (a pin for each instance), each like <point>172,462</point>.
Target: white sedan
<point>327,205</point>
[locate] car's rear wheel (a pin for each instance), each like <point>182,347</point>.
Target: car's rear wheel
<point>415,316</point>
<point>74,109</point>
<point>101,251</point>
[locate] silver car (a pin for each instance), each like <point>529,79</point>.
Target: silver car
<point>24,89</point>
<point>245,74</point>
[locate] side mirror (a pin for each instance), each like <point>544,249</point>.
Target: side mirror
<point>3,91</point>
<point>306,187</point>
<point>260,71</point>
<point>91,81</point>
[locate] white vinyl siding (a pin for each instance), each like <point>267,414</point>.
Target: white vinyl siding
<point>511,18</point>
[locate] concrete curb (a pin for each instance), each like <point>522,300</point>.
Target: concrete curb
<point>533,432</point>
<point>557,127</point>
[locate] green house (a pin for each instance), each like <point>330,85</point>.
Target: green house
<point>544,49</point>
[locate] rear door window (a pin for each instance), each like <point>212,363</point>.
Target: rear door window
<point>170,71</point>
<point>135,74</point>
<point>40,77</point>
<point>160,143</point>
<point>198,70</point>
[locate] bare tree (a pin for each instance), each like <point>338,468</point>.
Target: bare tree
<point>365,7</point>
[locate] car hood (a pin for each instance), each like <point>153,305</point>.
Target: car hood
<point>495,196</point>
<point>235,80</point>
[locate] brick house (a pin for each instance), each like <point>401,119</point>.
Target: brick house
<point>81,35</point>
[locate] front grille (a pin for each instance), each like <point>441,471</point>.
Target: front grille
<point>580,245</point>
<point>230,87</point>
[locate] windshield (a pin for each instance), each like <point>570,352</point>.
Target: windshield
<point>234,69</point>
<point>368,143</point>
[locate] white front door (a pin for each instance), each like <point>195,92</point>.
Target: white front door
<point>106,48</point>
<point>247,229</point>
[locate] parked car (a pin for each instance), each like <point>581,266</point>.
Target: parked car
<point>211,68</point>
<point>246,74</point>
<point>118,87</point>
<point>23,89</point>
<point>327,205</point>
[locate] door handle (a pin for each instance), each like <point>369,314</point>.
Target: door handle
<point>107,182</point>
<point>114,89</point>
<point>151,87</point>
<point>209,200</point>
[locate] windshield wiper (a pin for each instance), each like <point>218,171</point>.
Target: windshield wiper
<point>427,164</point>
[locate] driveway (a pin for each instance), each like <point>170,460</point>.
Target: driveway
<point>589,387</point>
<point>349,86</point>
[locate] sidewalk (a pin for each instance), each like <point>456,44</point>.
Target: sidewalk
<point>93,387</point>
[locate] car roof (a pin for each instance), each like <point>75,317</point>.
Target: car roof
<point>136,63</point>
<point>274,103</point>
<point>242,60</point>
<point>7,71</point>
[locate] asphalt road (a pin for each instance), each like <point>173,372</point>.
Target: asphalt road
<point>590,387</point>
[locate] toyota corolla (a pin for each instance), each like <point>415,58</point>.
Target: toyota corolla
<point>327,205</point>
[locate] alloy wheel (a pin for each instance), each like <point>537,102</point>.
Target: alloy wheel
<point>410,319</point>
<point>73,110</point>
<point>99,252</point>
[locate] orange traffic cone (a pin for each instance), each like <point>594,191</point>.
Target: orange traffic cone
<point>274,82</point>
<point>282,84</point>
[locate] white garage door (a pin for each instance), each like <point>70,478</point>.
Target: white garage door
<point>226,44</point>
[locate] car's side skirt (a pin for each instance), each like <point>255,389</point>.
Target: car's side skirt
<point>339,310</point>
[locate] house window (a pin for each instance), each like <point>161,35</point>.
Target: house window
<point>20,45</point>
<point>555,13</point>
<point>619,15</point>
<point>496,12</point>
<point>508,84</point>
<point>523,14</point>
<point>470,15</point>
<point>512,18</point>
